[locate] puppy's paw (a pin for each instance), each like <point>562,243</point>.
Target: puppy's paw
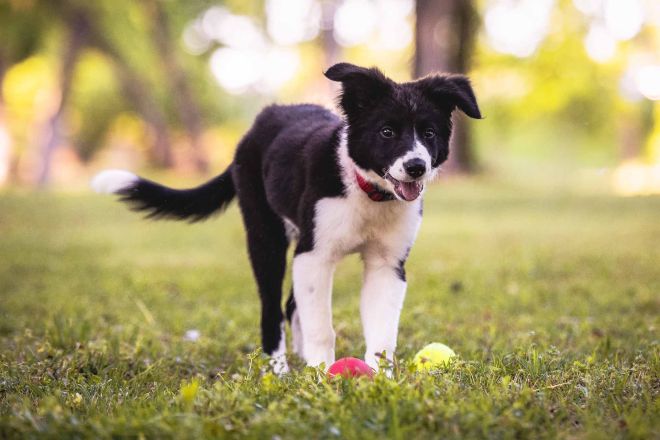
<point>279,365</point>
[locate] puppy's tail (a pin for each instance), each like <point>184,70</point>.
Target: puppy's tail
<point>161,202</point>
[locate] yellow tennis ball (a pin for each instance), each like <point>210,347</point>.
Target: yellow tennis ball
<point>433,356</point>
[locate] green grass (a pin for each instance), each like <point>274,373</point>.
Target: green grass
<point>551,300</point>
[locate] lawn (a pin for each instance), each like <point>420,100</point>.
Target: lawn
<point>551,299</point>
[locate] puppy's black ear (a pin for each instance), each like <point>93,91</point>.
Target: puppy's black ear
<point>361,86</point>
<point>341,72</point>
<point>453,91</point>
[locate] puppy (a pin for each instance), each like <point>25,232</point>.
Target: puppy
<point>331,186</point>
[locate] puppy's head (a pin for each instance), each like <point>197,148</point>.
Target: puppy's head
<point>399,132</point>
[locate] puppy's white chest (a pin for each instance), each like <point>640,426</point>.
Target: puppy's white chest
<point>345,225</point>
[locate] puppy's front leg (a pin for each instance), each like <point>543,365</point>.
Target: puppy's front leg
<point>381,301</point>
<point>312,290</point>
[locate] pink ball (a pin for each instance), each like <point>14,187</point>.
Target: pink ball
<point>350,367</point>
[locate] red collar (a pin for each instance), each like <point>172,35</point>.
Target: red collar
<point>376,194</point>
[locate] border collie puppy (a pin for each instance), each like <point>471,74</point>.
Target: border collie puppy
<point>332,186</point>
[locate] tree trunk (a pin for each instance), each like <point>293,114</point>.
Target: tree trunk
<point>5,137</point>
<point>138,93</point>
<point>444,41</point>
<point>53,132</point>
<point>183,97</point>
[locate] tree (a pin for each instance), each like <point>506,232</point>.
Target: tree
<point>78,28</point>
<point>22,29</point>
<point>444,41</point>
<point>85,31</point>
<point>186,106</point>
<point>161,96</point>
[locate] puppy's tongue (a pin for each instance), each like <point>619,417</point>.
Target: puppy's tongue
<point>409,191</point>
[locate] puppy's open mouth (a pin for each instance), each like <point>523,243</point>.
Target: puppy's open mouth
<point>408,191</point>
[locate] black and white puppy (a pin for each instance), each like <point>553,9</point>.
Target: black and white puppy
<point>333,186</point>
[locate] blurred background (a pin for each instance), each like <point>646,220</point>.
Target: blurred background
<point>570,89</point>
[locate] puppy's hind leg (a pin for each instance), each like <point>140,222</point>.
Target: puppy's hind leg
<point>294,321</point>
<point>267,246</point>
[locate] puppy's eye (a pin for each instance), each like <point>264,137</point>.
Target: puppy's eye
<point>387,132</point>
<point>429,133</point>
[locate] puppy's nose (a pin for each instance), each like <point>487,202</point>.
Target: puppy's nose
<point>415,167</point>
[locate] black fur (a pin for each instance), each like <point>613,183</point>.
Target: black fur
<point>370,101</point>
<point>193,204</point>
<point>290,306</point>
<point>401,270</point>
<point>288,161</point>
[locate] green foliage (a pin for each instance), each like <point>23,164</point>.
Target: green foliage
<point>557,90</point>
<point>549,298</point>
<point>526,101</point>
<point>96,100</point>
<point>21,30</point>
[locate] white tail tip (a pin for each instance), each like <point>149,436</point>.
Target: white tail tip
<point>112,181</point>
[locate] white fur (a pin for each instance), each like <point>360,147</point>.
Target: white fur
<point>383,234</point>
<point>292,231</point>
<point>112,181</point>
<point>396,170</point>
<point>296,334</point>
<point>381,301</point>
<point>312,287</point>
<point>278,357</point>
<point>419,151</point>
